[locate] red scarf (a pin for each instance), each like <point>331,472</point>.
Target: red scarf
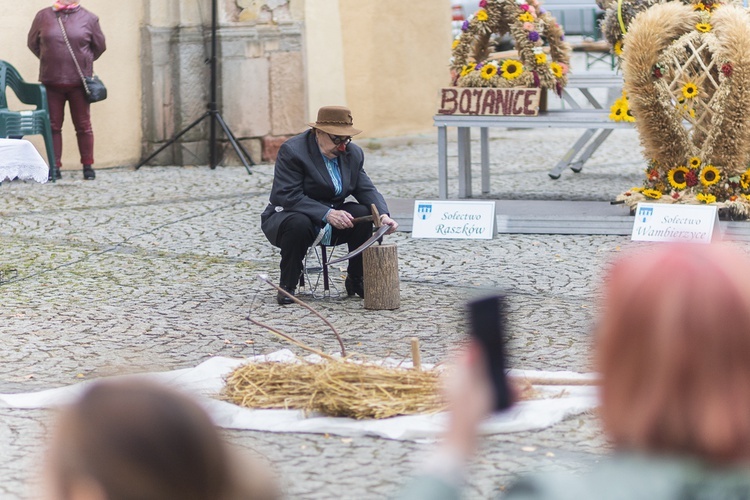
<point>59,7</point>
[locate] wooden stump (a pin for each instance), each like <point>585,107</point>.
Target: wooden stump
<point>381,277</point>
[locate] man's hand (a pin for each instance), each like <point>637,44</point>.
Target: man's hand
<point>340,219</point>
<point>387,221</point>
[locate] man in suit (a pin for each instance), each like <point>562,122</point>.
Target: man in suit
<point>314,174</point>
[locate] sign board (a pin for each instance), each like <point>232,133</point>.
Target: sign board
<point>489,101</point>
<point>662,222</point>
<point>454,219</point>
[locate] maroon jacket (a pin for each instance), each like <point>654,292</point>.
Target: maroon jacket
<point>56,66</point>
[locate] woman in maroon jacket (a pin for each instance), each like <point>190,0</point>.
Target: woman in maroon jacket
<point>60,76</point>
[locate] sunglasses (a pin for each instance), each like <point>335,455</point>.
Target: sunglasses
<point>339,139</point>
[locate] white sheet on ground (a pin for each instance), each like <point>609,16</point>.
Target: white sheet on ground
<point>206,380</point>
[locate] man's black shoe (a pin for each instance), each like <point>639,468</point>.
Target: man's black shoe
<point>354,285</point>
<point>284,300</point>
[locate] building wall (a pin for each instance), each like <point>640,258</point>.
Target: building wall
<point>385,59</point>
<point>260,92</point>
<point>278,62</point>
<point>395,58</point>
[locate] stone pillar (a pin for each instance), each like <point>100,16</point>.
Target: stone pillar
<point>175,94</point>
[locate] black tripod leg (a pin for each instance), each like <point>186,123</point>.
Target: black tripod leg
<point>238,147</point>
<point>172,140</point>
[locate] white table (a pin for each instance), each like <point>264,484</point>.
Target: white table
<point>20,159</point>
<point>596,122</point>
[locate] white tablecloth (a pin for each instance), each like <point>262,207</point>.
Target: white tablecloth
<point>20,159</point>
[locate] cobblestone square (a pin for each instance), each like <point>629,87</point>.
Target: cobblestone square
<point>156,269</point>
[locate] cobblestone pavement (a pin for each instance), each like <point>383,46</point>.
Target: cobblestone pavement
<point>155,269</point>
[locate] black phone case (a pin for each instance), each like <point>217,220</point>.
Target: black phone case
<point>487,326</point>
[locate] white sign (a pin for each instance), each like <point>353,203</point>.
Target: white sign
<point>454,219</point>
<point>661,222</point>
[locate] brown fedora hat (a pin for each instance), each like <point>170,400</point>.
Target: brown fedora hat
<point>335,120</point>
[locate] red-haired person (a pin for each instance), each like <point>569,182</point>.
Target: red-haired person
<point>672,346</point>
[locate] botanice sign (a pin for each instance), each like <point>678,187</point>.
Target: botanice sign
<point>489,101</point>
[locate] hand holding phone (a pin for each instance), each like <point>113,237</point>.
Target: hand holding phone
<point>487,326</point>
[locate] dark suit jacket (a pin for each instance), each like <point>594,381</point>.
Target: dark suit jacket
<point>301,183</point>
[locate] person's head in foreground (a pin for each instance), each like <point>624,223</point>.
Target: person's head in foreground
<point>131,440</point>
<point>673,349</point>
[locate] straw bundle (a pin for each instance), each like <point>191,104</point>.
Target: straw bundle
<point>336,388</point>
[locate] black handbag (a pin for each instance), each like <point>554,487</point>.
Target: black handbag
<point>95,89</point>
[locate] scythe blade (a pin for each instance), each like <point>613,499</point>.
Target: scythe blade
<point>375,237</point>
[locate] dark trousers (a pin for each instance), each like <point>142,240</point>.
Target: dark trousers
<point>80,109</point>
<point>298,232</point>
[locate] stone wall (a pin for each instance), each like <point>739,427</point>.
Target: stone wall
<point>260,82</point>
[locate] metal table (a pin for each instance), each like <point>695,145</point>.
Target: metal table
<point>596,122</point>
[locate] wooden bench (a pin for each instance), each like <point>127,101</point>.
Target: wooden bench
<point>598,51</point>
<point>596,122</point>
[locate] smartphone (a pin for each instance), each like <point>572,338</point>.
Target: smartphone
<point>487,326</point>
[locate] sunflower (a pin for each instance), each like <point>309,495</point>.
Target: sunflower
<point>455,44</point>
<point>482,15</point>
<point>745,179</point>
<point>511,69</point>
<point>652,193</point>
<point>468,69</point>
<point>617,111</point>
<point>689,90</point>
<point>617,49</point>
<point>677,178</point>
<point>703,27</point>
<point>556,69</point>
<point>694,162</point>
<point>710,175</point>
<point>489,71</point>
<point>627,114</point>
<point>526,18</point>
<point>541,58</point>
<point>705,198</point>
<point>699,6</point>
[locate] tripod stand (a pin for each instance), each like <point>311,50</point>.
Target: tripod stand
<point>212,114</point>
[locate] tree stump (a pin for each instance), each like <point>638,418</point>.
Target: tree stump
<point>381,277</point>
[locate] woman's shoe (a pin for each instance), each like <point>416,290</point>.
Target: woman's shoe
<point>355,285</point>
<point>88,173</point>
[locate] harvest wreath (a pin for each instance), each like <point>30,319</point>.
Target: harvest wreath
<point>618,16</point>
<point>687,77</point>
<point>473,64</point>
